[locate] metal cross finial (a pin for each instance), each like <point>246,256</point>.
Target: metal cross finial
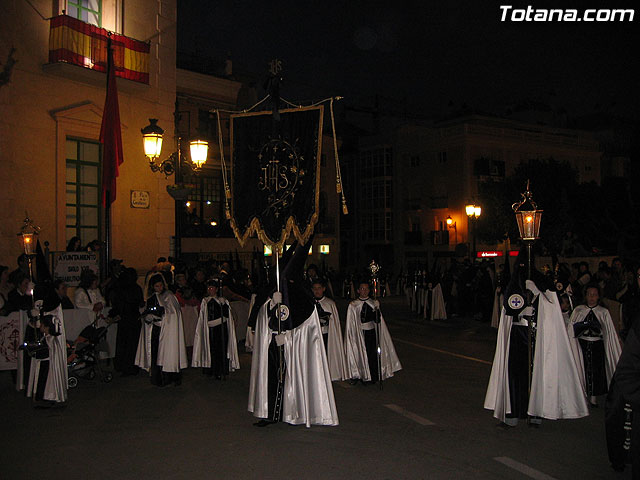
<point>527,196</point>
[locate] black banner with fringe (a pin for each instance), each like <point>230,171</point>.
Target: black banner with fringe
<point>275,169</point>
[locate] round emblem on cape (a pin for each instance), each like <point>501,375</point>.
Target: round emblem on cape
<point>515,301</point>
<point>559,286</point>
<point>284,313</point>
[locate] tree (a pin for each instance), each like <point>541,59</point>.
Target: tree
<point>552,182</point>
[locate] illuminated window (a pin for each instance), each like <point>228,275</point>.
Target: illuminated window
<point>89,11</point>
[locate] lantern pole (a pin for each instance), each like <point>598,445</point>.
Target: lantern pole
<point>529,228</point>
<point>373,269</point>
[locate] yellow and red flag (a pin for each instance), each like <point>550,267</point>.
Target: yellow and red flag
<point>73,41</point>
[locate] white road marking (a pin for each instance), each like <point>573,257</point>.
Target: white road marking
<point>409,415</point>
<point>524,469</point>
<point>473,359</point>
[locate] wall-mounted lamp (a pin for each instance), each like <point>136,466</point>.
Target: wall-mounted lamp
<point>152,136</point>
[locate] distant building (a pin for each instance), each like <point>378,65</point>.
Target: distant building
<point>407,183</point>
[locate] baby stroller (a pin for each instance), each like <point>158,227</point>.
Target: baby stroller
<point>83,359</point>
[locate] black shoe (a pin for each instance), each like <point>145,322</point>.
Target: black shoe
<point>263,423</point>
<point>353,381</point>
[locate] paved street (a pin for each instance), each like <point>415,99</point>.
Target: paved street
<point>427,422</point>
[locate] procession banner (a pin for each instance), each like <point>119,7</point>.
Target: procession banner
<point>69,266</point>
<point>275,174</point>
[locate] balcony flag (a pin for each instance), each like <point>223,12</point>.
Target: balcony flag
<point>78,43</point>
<point>110,135</point>
<point>275,174</point>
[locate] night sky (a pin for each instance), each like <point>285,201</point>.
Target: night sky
<point>424,55</point>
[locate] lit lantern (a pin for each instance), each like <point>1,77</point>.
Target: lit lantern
<point>528,220</point>
<point>199,150</point>
<point>29,236</point>
<point>268,251</point>
<point>324,249</point>
<point>470,210</point>
<point>152,139</point>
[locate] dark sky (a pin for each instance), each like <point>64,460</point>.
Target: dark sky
<point>423,54</point>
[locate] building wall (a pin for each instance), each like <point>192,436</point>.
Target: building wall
<point>43,104</point>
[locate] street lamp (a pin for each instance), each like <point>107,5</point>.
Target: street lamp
<point>152,141</point>
<point>454,225</point>
<point>529,228</point>
<point>473,213</point>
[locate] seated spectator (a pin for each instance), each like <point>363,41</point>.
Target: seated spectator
<point>23,267</point>
<point>88,294</point>
<point>94,246</point>
<point>183,291</point>
<point>198,284</point>
<point>61,289</point>
<point>74,245</point>
<point>20,297</point>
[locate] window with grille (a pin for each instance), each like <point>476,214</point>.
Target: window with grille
<point>83,193</point>
<point>204,207</point>
<point>89,11</point>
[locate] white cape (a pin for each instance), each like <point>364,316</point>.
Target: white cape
<point>498,300</point>
<point>201,344</point>
<point>437,310</point>
<point>56,387</point>
<point>354,348</point>
<point>335,344</point>
<point>308,393</point>
<point>556,389</point>
<point>172,353</point>
<point>612,348</point>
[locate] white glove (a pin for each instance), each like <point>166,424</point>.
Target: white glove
<point>276,298</point>
<point>280,339</point>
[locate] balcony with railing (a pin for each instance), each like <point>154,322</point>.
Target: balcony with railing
<point>74,42</point>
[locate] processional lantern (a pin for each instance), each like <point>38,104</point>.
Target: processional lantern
<point>29,236</point>
<point>528,219</point>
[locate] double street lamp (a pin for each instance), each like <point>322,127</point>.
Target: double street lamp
<point>473,213</point>
<point>152,140</point>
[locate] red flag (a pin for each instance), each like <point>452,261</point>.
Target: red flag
<point>110,136</point>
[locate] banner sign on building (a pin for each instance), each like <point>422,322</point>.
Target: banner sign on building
<point>69,266</point>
